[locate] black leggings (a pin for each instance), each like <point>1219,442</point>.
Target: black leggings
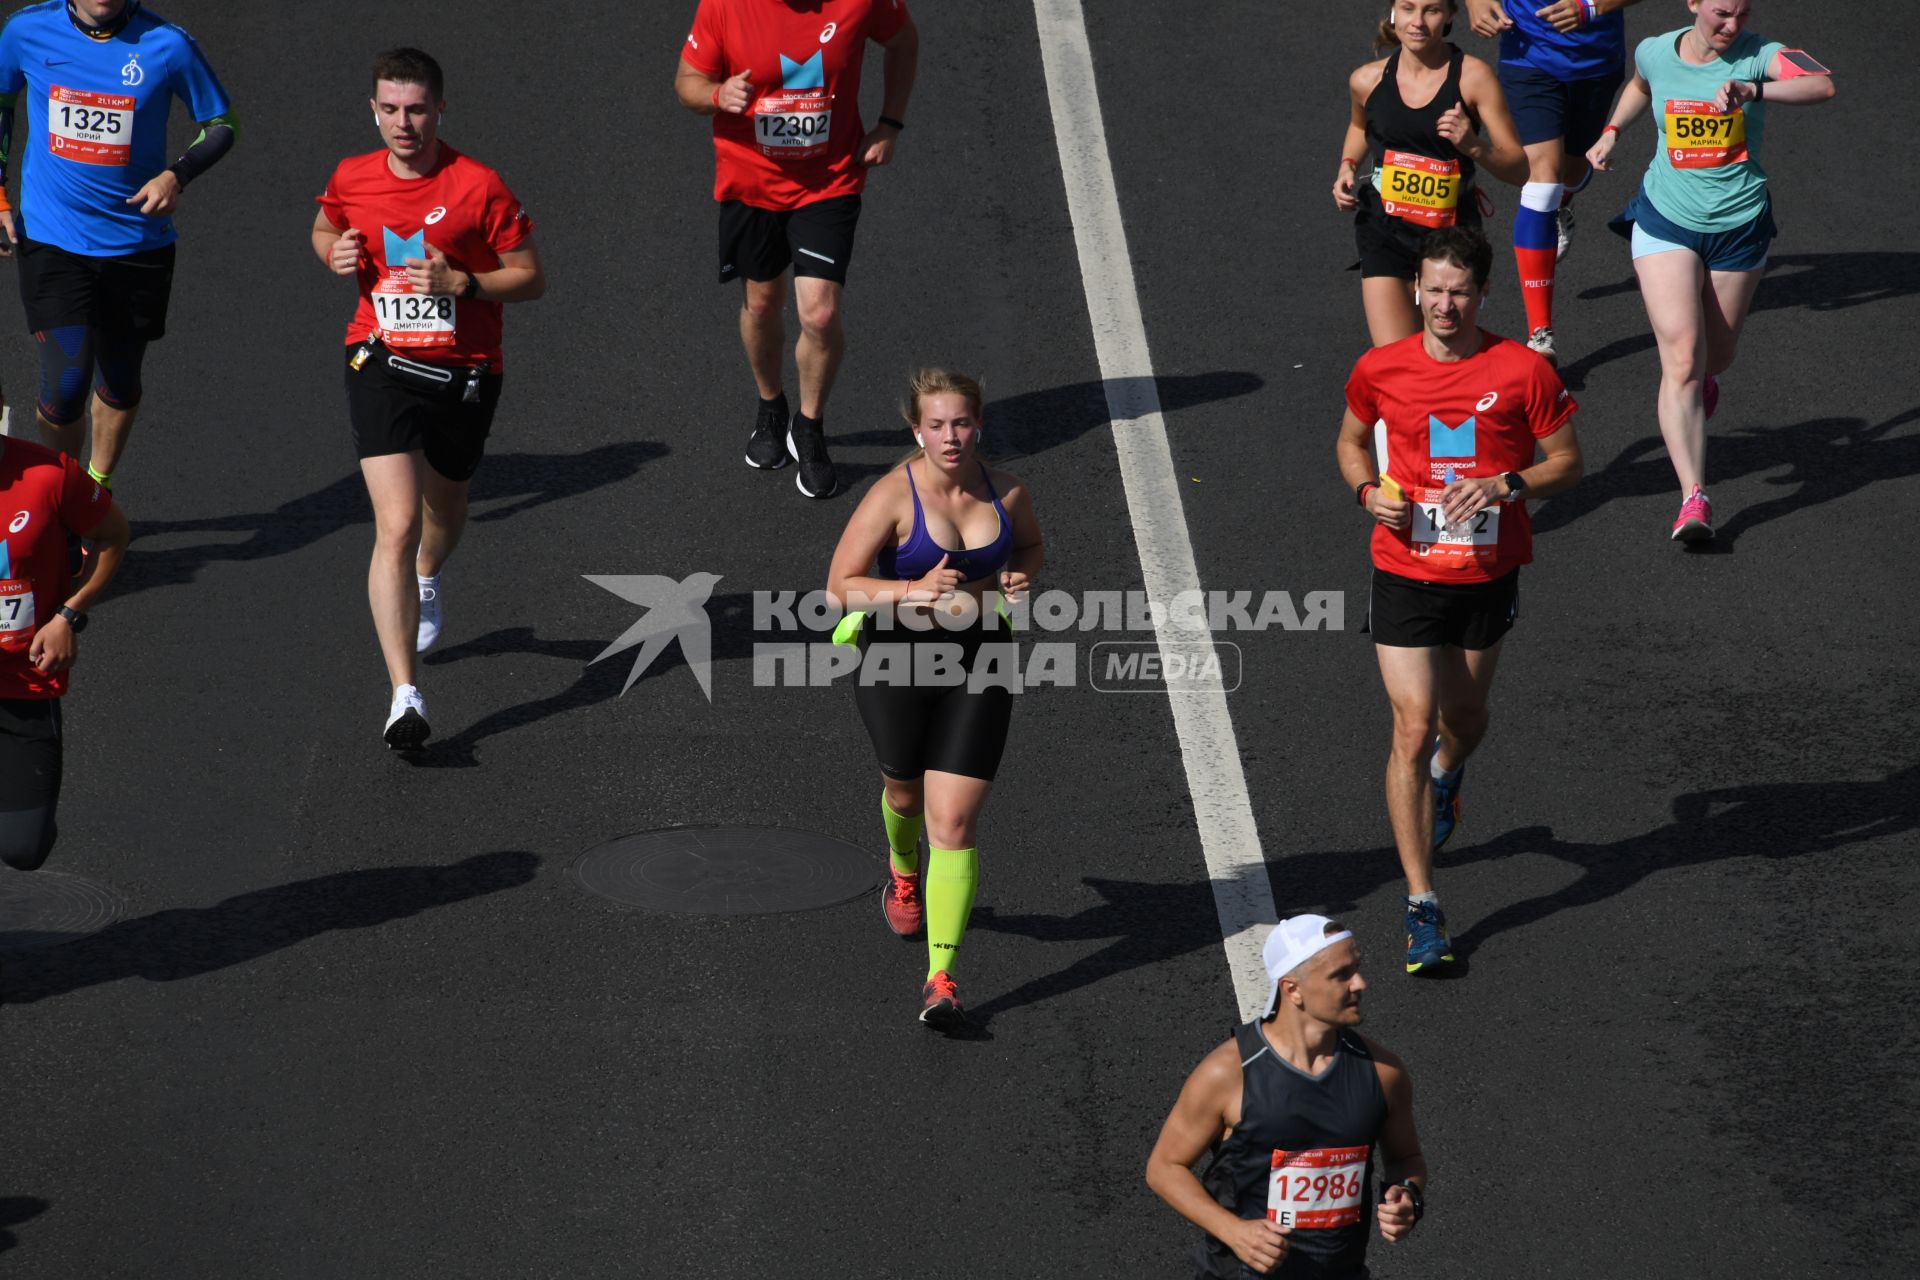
<point>944,725</point>
<point>30,758</point>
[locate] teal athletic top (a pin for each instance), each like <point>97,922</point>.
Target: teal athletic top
<point>1706,172</point>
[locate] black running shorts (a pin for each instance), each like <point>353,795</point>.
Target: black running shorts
<point>398,404</point>
<point>1408,614</point>
<point>815,240</point>
<point>30,769</point>
<point>126,296</point>
<point>948,727</point>
<point>1390,246</point>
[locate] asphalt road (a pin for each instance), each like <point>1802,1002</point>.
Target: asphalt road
<point>356,1019</point>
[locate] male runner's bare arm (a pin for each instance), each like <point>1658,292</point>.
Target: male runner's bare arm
<point>1355,452</point>
<point>1400,1154</point>
<point>1207,1106</point>
<point>902,67</point>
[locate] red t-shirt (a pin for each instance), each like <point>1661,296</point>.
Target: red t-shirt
<point>1476,417</point>
<point>464,210</point>
<point>44,496</point>
<point>799,140</point>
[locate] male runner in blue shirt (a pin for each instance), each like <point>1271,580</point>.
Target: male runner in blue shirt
<point>95,235</point>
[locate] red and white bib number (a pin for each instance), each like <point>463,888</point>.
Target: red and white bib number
<point>90,128</point>
<point>1699,136</point>
<point>409,319</point>
<point>1420,189</point>
<point>17,621</point>
<point>1317,1189</point>
<point>794,125</point>
<point>1459,537</point>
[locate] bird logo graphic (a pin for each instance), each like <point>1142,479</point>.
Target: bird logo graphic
<point>673,609</point>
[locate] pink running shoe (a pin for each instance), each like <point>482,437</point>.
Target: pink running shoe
<point>1710,395</point>
<point>1695,523</point>
<point>900,903</point>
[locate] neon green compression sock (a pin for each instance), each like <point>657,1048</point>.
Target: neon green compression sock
<point>903,838</point>
<point>952,877</point>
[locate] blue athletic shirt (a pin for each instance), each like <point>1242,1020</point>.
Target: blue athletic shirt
<point>97,123</point>
<point>1597,49</point>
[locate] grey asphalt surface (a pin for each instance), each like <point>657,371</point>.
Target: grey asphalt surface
<point>358,1021</point>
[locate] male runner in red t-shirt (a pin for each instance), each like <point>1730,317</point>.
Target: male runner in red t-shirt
<point>437,244</point>
<point>1453,415</point>
<point>45,499</point>
<point>782,82</point>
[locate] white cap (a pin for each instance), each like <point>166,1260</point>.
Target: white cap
<point>1293,942</point>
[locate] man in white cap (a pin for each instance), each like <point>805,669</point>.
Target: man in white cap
<point>1302,1098</point>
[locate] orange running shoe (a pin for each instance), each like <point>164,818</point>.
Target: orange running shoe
<point>940,1003</point>
<point>900,902</point>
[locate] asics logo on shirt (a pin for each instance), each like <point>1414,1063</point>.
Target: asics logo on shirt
<point>1486,402</point>
<point>826,33</point>
<point>20,522</point>
<point>439,212</point>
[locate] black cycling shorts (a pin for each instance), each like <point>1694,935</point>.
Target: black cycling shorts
<point>398,404</point>
<point>1405,613</point>
<point>815,240</point>
<point>126,296</point>
<point>30,769</point>
<point>1390,246</point>
<point>945,726</point>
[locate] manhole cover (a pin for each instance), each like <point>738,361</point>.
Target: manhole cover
<point>728,871</point>
<point>45,908</point>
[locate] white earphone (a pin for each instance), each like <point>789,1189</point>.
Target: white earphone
<point>917,440</point>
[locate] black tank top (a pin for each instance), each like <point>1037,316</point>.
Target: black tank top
<point>1394,126</point>
<point>1316,1133</point>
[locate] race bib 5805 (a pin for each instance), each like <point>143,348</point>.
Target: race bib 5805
<point>1316,1189</point>
<point>90,128</point>
<point>1699,136</point>
<point>1419,188</point>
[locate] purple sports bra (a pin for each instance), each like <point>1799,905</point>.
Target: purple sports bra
<point>915,557</point>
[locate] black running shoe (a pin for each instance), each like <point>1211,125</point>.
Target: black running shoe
<point>807,442</point>
<point>764,449</point>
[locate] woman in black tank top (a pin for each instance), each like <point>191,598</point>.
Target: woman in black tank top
<point>1423,157</point>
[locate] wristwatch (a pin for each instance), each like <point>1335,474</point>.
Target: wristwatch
<point>472,288</point>
<point>1516,486</point>
<point>1413,1194</point>
<point>75,619</point>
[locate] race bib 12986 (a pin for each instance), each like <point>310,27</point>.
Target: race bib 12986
<point>1317,1189</point>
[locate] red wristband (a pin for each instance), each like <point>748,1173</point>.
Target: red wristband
<point>716,97</point>
<point>1612,128</point>
<point>1349,160</point>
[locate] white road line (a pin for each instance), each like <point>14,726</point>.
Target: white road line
<point>1241,891</point>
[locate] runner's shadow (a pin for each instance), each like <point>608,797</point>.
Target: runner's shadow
<point>1770,820</point>
<point>1146,922</point>
<point>531,479</point>
<point>1032,422</point>
<point>1816,281</point>
<point>15,1210</point>
<point>733,637</point>
<point>168,946</point>
<point>1823,458</point>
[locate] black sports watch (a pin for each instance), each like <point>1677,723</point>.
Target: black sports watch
<point>1413,1194</point>
<point>75,619</point>
<point>1516,486</point>
<point>472,288</point>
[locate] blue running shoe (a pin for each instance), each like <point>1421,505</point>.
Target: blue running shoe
<point>1446,807</point>
<point>1428,945</point>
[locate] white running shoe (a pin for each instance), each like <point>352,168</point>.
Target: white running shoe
<point>1541,340</point>
<point>407,721</point>
<point>1564,224</point>
<point>429,614</point>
